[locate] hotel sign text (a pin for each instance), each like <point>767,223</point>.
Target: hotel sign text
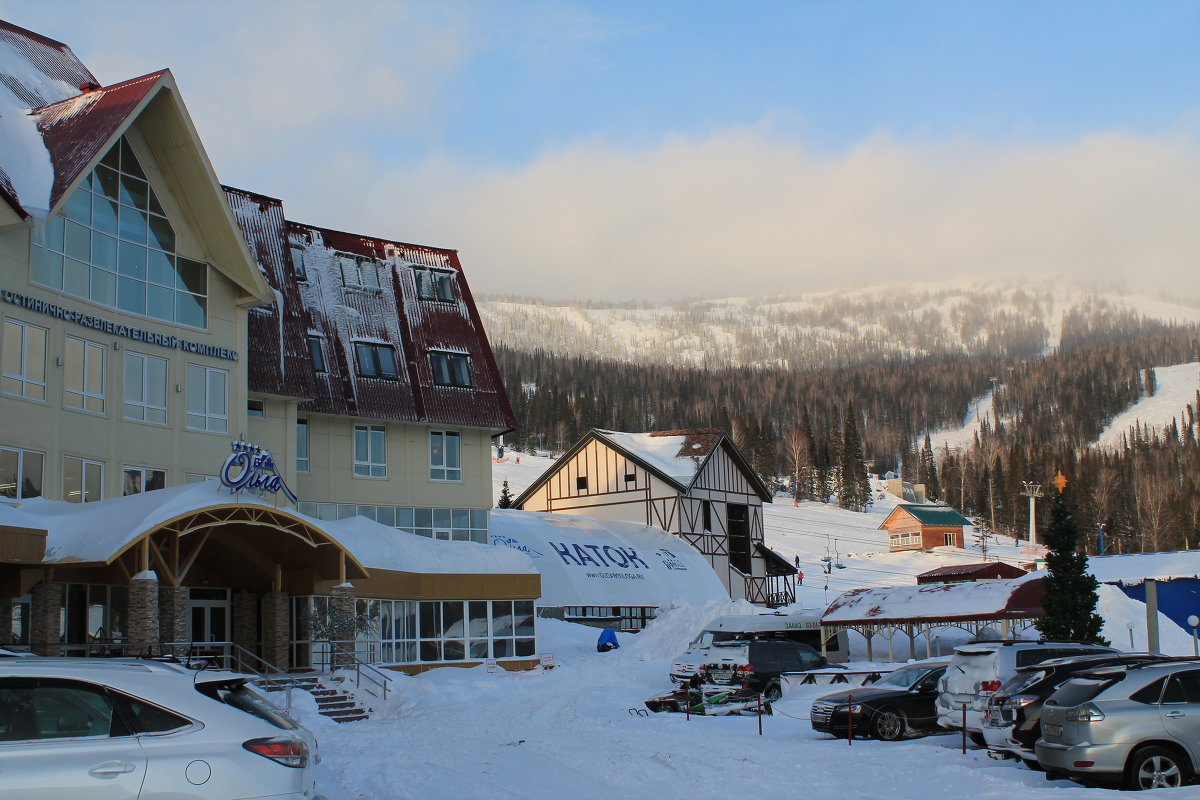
<point>116,329</point>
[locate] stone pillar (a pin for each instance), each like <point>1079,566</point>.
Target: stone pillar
<point>341,623</point>
<point>45,624</point>
<point>6,607</point>
<point>275,630</point>
<point>245,624</point>
<point>143,615</point>
<point>173,618</point>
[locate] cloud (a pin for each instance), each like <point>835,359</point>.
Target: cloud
<point>744,210</point>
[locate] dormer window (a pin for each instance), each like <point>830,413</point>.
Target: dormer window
<point>451,369</point>
<point>359,272</point>
<point>376,360</point>
<point>316,352</point>
<point>435,284</point>
<point>298,267</point>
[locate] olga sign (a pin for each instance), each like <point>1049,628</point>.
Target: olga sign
<point>251,467</point>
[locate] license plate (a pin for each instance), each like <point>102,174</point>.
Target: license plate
<point>721,675</point>
<point>1053,730</point>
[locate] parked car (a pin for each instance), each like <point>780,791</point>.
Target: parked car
<point>977,669</point>
<point>75,728</point>
<point>1136,725</point>
<point>735,630</point>
<point>1012,721</point>
<point>898,705</point>
<point>758,666</point>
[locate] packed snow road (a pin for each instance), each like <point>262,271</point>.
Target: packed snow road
<point>567,733</point>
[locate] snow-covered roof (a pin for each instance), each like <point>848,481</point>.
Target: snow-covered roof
<point>939,602</point>
<point>1134,568</point>
<point>675,454</point>
<point>591,562</point>
<point>95,532</point>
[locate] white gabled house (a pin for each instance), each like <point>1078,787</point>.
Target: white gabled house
<point>693,483</point>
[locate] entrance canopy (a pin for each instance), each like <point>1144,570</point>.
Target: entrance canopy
<point>591,562</point>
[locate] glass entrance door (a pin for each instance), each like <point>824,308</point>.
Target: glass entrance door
<point>208,621</point>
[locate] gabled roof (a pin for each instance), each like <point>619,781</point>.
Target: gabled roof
<point>984,570</point>
<point>926,515</point>
<point>676,456</point>
<point>322,305</point>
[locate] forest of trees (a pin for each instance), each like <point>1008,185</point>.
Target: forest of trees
<point>797,423</point>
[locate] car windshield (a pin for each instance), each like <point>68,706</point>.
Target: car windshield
<point>903,677</point>
<point>1021,681</point>
<point>243,698</point>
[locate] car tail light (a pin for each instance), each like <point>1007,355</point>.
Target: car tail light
<point>1085,763</point>
<point>1088,712</point>
<point>286,750</point>
<point>989,686</point>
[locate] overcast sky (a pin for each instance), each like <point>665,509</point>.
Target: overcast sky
<point>633,150</point>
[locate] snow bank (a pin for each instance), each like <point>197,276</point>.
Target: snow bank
<point>1135,568</point>
<point>1125,624</point>
<point>675,626</point>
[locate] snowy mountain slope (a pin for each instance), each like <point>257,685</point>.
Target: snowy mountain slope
<point>1176,388</point>
<point>818,329</point>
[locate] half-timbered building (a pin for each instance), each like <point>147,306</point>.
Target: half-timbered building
<point>694,483</point>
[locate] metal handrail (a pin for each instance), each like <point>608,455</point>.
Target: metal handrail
<point>373,673</point>
<point>239,659</point>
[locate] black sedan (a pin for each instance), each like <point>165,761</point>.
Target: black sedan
<point>897,706</point>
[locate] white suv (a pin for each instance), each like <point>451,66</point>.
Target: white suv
<point>128,729</point>
<point>977,669</point>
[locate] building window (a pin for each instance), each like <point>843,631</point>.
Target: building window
<point>434,284</point>
<point>145,388</point>
<point>83,379</point>
<point>301,445</point>
<point>450,369</point>
<point>24,360</point>
<point>20,473</point>
<point>359,272</point>
<point>706,516</point>
<point>370,451</point>
<point>83,480</point>
<point>445,456</point>
<point>206,399</point>
<point>298,267</point>
<point>581,483</point>
<point>196,477</point>
<point>113,245</point>
<point>630,477</point>
<point>256,408</point>
<point>376,360</point>
<point>455,630</point>
<point>136,480</point>
<point>316,352</point>
<point>951,540</point>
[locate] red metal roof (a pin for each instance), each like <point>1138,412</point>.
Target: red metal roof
<point>392,314</point>
<point>52,59</point>
<point>985,570</point>
<point>77,130</point>
<point>1017,598</point>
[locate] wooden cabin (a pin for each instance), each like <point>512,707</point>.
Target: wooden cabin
<point>920,527</point>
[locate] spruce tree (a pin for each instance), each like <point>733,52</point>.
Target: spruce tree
<point>506,498</point>
<point>856,492</point>
<point>1070,600</point>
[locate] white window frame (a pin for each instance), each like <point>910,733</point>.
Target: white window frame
<point>435,284</point>
<point>359,272</point>
<point>368,461</point>
<point>436,465</point>
<point>22,459</point>
<point>21,379</point>
<point>210,419</point>
<point>256,408</point>
<point>86,468</point>
<point>143,473</point>
<point>143,383</point>
<point>303,457</point>
<point>78,398</point>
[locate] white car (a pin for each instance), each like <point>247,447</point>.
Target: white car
<point>977,669</point>
<point>136,729</point>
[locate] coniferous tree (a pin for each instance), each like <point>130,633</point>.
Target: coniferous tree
<point>1070,600</point>
<point>506,498</point>
<point>856,490</point>
<point>929,467</point>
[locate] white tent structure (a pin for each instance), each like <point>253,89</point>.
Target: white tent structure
<point>604,571</point>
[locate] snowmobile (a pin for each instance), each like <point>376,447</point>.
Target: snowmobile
<point>698,698</point>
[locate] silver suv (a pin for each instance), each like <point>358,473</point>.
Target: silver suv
<point>1137,725</point>
<point>124,729</point>
<point>977,669</point>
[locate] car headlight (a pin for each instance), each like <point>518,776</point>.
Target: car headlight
<point>855,708</point>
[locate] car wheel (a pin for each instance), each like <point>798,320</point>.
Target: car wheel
<point>977,738</point>
<point>772,692</point>
<point>888,725</point>
<point>1155,768</point>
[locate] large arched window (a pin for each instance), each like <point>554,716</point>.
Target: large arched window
<point>113,245</point>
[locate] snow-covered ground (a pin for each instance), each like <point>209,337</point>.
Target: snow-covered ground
<point>574,732</point>
<point>1177,387</point>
